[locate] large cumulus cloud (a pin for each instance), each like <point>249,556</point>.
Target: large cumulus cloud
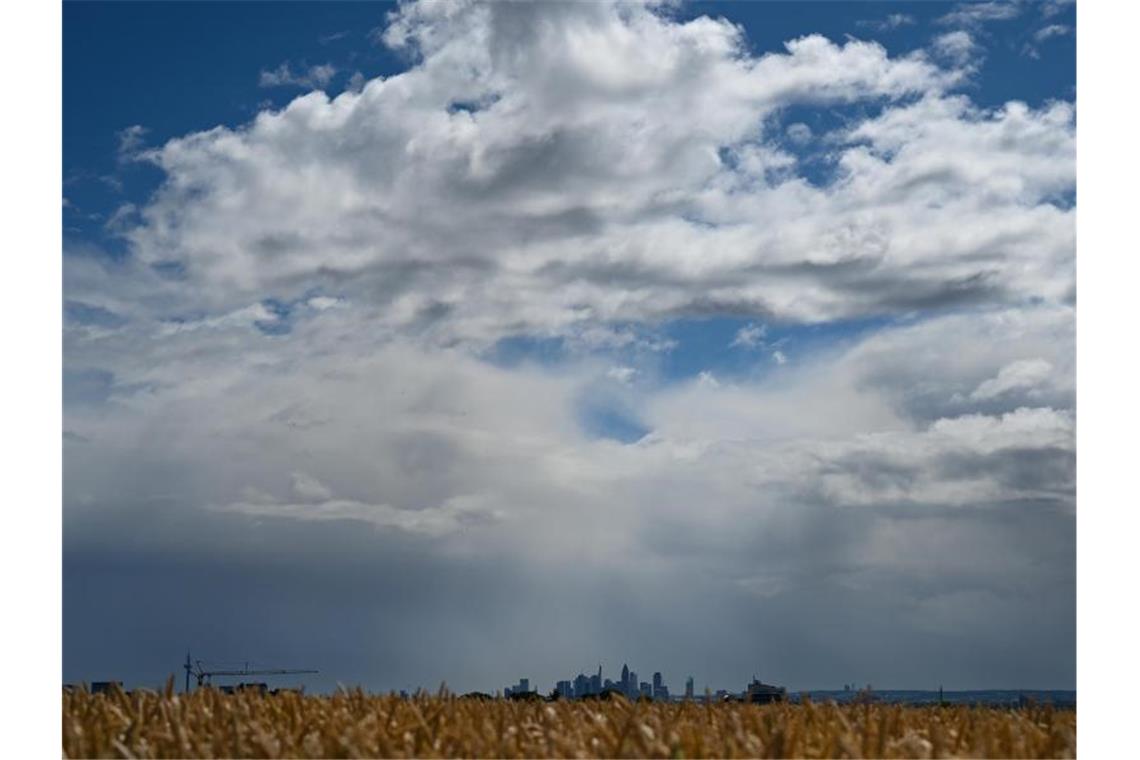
<point>605,162</point>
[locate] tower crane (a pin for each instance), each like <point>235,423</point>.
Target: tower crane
<point>203,676</point>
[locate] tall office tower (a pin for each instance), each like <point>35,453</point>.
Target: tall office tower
<point>689,688</point>
<point>633,690</point>
<point>657,680</point>
<point>524,685</point>
<point>625,679</point>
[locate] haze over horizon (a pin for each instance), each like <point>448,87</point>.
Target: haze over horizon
<point>462,342</point>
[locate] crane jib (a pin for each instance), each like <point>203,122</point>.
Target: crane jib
<point>203,675</point>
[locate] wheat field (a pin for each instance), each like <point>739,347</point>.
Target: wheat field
<point>207,723</point>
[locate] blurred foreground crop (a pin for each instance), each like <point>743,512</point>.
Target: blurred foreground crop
<point>208,723</point>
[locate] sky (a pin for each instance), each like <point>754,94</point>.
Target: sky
<point>464,342</point>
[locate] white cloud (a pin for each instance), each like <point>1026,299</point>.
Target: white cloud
<point>957,46</point>
<point>975,14</point>
<point>891,22</point>
<point>1026,374</point>
<point>1044,34</point>
<point>314,77</point>
<point>320,303</point>
<point>707,379</point>
<point>122,218</point>
<point>244,319</point>
<point>308,488</point>
<point>799,133</point>
<point>440,521</point>
<point>623,375</point>
<point>356,82</point>
<point>131,141</point>
<point>1052,30</point>
<point>1050,8</point>
<point>750,336</point>
<point>599,337</point>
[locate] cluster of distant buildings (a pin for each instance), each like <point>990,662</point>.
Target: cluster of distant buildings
<point>595,685</point>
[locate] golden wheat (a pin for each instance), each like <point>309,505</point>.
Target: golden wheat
<point>208,723</point>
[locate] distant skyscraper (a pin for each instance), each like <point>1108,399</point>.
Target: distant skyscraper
<point>633,689</point>
<point>660,691</point>
<point>521,687</point>
<point>625,679</point>
<point>689,688</point>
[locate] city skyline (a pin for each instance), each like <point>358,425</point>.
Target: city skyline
<point>594,685</point>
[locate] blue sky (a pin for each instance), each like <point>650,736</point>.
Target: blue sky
<point>467,315</point>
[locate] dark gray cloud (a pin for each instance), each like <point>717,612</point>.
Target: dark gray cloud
<point>372,609</point>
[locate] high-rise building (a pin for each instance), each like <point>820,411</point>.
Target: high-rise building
<point>625,679</point>
<point>565,689</point>
<point>581,685</point>
<point>646,689</point>
<point>633,688</point>
<point>660,691</point>
<point>522,687</point>
<point>689,688</point>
